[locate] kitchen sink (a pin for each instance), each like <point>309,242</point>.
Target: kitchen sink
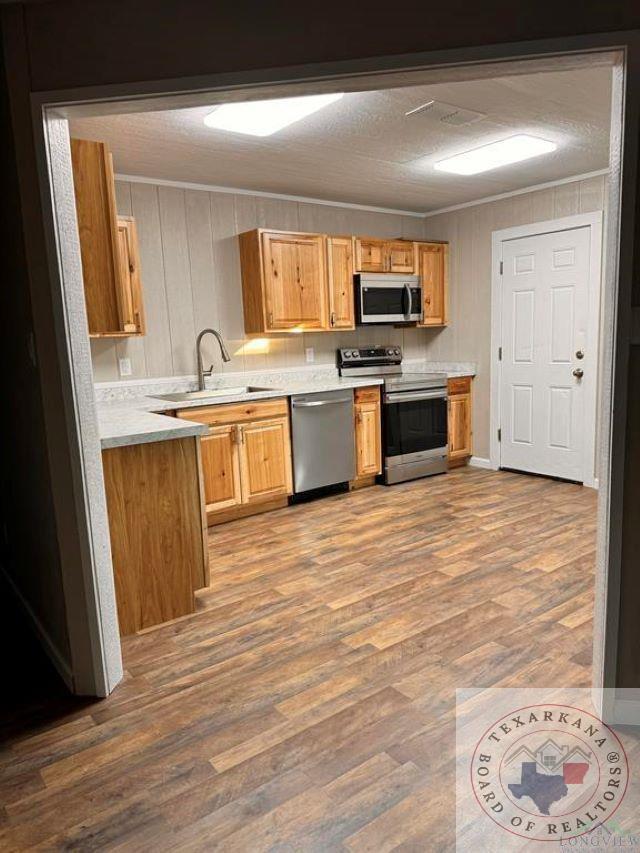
<point>210,393</point>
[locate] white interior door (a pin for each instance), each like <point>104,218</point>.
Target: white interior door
<point>545,313</point>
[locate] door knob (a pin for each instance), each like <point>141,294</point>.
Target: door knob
<point>578,373</point>
<point>580,354</point>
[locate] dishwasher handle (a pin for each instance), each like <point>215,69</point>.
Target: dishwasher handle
<point>308,404</point>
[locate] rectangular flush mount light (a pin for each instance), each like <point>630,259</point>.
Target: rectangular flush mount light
<point>496,154</point>
<point>262,118</point>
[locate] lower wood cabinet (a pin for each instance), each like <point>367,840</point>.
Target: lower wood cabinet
<point>246,457</point>
<point>158,538</point>
<point>367,432</point>
<point>459,420</point>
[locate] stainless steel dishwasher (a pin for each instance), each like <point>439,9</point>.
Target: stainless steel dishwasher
<point>323,439</point>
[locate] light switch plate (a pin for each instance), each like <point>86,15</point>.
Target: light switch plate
<point>310,354</point>
<point>124,366</point>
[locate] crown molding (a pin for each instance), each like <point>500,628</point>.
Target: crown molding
<point>212,188</point>
<point>531,189</point>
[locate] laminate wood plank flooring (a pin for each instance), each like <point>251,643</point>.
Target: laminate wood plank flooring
<point>309,702</point>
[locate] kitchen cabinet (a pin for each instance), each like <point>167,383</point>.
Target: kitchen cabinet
<point>221,468</point>
<point>246,457</point>
<point>108,246</point>
<point>156,524</point>
<point>367,432</point>
<point>459,420</point>
<point>373,255</point>
<point>284,281</point>
<point>340,282</point>
<point>432,265</point>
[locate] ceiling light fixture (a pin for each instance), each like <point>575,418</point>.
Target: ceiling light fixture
<point>262,118</point>
<point>496,154</point>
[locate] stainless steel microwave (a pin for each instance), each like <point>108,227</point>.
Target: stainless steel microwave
<point>388,298</point>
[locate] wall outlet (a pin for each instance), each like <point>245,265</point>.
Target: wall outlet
<point>310,354</point>
<point>124,366</point>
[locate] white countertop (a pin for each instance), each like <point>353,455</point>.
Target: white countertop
<point>138,419</point>
<point>128,413</point>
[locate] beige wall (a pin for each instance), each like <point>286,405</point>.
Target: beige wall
<point>191,277</point>
<point>468,336</point>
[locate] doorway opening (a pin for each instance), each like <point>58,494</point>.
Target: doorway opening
<point>133,193</point>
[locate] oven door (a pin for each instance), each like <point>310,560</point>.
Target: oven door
<point>415,425</point>
<point>382,302</point>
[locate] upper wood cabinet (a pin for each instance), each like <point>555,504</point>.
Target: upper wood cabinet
<point>129,286</point>
<point>432,265</point>
<point>110,265</point>
<point>373,255</point>
<point>340,274</point>
<point>284,281</point>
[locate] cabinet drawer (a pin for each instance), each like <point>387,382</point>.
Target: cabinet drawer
<point>367,395</point>
<point>459,385</point>
<point>236,412</point>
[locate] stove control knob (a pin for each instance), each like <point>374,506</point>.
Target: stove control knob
<point>396,351</point>
<point>389,352</point>
<point>347,354</point>
<point>355,353</point>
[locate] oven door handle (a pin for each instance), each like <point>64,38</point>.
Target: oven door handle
<point>407,396</point>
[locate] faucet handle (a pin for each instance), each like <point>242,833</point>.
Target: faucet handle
<point>208,372</point>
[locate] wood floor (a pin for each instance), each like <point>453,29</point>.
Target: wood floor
<point>309,704</point>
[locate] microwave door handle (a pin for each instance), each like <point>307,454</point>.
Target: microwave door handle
<point>407,294</point>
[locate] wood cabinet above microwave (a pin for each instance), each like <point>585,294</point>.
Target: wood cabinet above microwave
<point>374,255</point>
<point>108,246</point>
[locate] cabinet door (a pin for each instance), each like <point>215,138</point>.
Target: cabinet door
<point>129,287</point>
<point>294,281</point>
<point>370,255</point>
<point>432,264</point>
<point>340,273</point>
<point>459,426</point>
<point>94,190</point>
<point>367,438</point>
<point>265,460</point>
<point>221,468</point>
<point>399,254</point>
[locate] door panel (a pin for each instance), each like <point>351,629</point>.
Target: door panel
<point>368,459</point>
<point>431,267</point>
<point>265,460</point>
<point>459,426</point>
<point>294,277</point>
<point>221,468</point>
<point>544,323</point>
<point>340,273</point>
<point>399,256</point>
<point>370,255</point>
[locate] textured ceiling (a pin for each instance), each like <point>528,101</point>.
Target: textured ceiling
<point>362,149</point>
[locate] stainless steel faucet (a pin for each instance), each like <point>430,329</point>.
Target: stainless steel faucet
<point>225,355</point>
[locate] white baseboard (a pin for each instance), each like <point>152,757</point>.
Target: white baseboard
<point>60,662</point>
<point>481,462</point>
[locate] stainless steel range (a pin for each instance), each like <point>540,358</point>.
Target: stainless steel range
<point>414,412</point>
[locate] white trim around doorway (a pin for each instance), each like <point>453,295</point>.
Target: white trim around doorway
<point>593,221</point>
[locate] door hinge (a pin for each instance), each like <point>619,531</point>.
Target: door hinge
<point>499,434</point>
<point>499,353</point>
<point>501,267</point>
